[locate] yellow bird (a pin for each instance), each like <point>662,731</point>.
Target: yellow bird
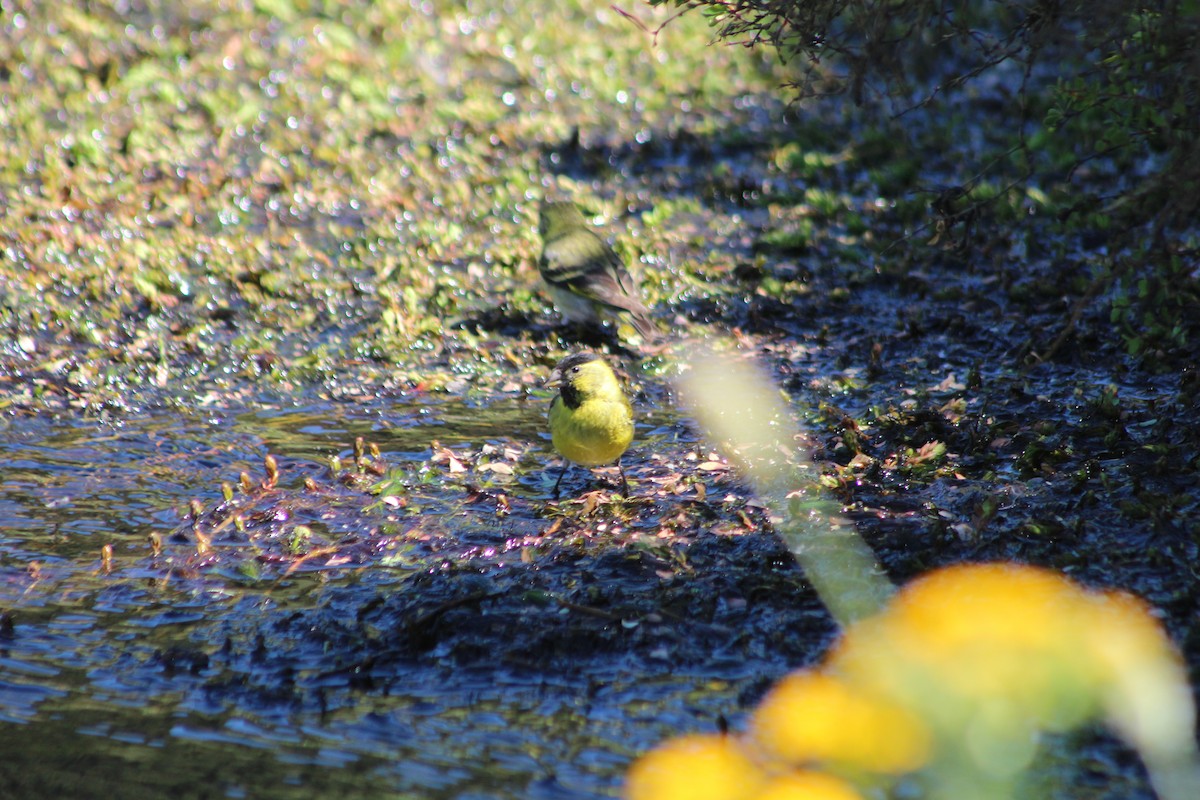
<point>583,274</point>
<point>591,420</point>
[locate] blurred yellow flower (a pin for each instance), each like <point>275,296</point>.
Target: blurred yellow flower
<point>695,767</point>
<point>975,633</point>
<point>810,717</point>
<point>1145,691</point>
<point>952,683</point>
<point>807,786</point>
<point>990,654</point>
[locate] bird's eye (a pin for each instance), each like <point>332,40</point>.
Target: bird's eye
<point>574,369</point>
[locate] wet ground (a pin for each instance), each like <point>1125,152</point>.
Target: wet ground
<point>427,619</point>
<point>457,634</point>
<point>291,534</point>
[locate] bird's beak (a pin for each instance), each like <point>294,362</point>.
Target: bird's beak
<point>555,379</point>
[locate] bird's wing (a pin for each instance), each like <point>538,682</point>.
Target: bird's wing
<point>575,263</point>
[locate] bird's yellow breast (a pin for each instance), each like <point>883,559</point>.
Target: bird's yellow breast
<point>594,433</point>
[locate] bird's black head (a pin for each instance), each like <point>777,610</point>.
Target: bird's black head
<point>564,374</point>
<point>575,360</point>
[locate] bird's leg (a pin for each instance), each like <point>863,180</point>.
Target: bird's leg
<point>566,466</point>
<point>624,482</point>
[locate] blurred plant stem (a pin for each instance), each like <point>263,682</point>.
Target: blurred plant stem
<point>742,412</point>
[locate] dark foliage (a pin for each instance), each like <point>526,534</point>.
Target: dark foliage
<point>1092,107</point>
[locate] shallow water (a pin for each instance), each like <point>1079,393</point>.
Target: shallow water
<point>159,678</point>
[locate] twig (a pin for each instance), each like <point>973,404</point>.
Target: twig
<point>653,33</point>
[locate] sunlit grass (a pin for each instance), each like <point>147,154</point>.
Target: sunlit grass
<point>250,173</point>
